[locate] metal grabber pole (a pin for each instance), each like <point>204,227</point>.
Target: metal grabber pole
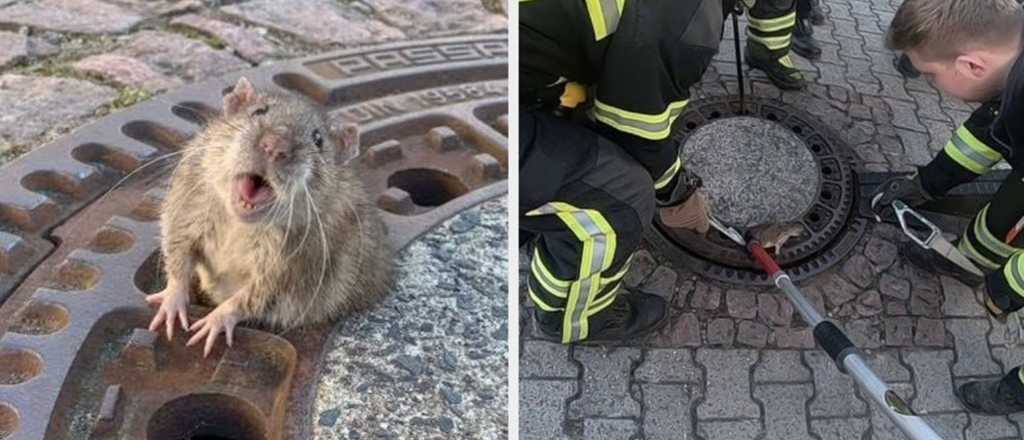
<point>847,357</point>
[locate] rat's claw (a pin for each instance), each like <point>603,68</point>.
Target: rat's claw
<point>221,319</point>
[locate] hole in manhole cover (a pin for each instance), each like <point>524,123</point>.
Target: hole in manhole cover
<point>18,365</point>
<point>39,318</point>
<point>428,187</point>
<point>8,421</point>
<point>774,164</point>
<point>206,417</point>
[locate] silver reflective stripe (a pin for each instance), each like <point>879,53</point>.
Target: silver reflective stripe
<point>599,250</point>
<point>610,11</point>
<point>966,150</point>
<point>640,125</point>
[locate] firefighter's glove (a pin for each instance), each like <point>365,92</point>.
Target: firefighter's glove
<point>907,189</point>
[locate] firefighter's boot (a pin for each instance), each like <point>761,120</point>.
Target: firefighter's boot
<point>780,70</point>
<point>630,316</point>
<point>996,397</point>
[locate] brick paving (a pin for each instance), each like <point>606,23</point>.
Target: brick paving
<point>736,362</point>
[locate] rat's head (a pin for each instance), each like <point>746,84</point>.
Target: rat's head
<point>272,149</point>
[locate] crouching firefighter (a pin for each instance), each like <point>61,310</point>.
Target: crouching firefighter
<point>592,179</point>
<point>973,53</point>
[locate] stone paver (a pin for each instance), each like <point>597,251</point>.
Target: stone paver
<point>731,429</point>
<point>667,411</point>
<point>543,359</point>
<point>78,16</point>
<point>609,428</point>
<point>728,379</point>
<point>932,380</point>
<point>669,366</point>
<point>249,44</point>
<point>125,71</point>
<point>173,54</point>
<point>835,394</point>
<point>542,408</point>
<point>973,357</point>
<point>317,21</point>
<point>784,415</point>
<point>65,102</point>
<point>605,387</point>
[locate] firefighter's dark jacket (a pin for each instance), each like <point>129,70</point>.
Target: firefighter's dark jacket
<point>639,58</point>
<point>993,132</point>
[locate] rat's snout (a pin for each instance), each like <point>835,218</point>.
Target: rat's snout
<point>275,146</point>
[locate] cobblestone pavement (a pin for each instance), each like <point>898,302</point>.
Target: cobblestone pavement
<point>738,363</point>
<point>64,63</point>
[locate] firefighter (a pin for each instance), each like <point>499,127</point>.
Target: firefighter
<point>592,180</point>
<point>972,52</point>
<point>770,25</point>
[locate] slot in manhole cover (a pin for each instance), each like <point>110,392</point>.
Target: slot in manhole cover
<point>74,266</point>
<point>773,164</point>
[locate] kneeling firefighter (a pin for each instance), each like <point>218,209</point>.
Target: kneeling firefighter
<point>591,179</point>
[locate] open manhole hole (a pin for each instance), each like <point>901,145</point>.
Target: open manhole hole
<point>773,164</point>
<point>76,358</point>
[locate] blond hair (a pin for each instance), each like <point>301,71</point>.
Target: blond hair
<point>943,29</point>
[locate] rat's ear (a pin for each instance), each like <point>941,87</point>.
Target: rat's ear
<point>346,135</point>
<point>242,95</point>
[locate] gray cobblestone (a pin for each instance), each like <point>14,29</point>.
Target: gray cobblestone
<point>840,429</point>
<point>605,384</point>
<point>642,265</point>
<point>887,365</point>
<point>668,366</point>
<point>925,300</point>
<point>541,408</point>
<point>991,427</point>
<point>834,391</point>
<point>316,21</point>
<point>547,359</point>
<point>781,366</point>
<point>610,428</point>
<point>727,384</point>
<point>960,300</point>
<point>79,16</point>
<point>788,337</point>
<point>932,380</point>
<point>784,415</point>
<point>882,253</point>
<point>898,331</point>
<point>741,304</point>
<point>684,332</point>
<point>730,430</point>
<point>752,333</point>
<point>774,308</point>
<point>668,409</point>
<point>706,297</point>
<point>1008,357</point>
<point>662,283</point>
<point>864,333</point>
<point>869,303</point>
<point>973,357</point>
<point>721,331</point>
<point>930,333</point>
<point>949,426</point>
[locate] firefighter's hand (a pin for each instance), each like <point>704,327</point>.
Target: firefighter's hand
<point>907,189</point>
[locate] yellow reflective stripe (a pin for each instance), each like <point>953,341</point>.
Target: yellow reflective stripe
<point>968,249</point>
<point>773,24</point>
<point>648,126</point>
<point>978,146</point>
<point>1014,273</point>
<point>604,16</point>
<point>987,239</point>
<point>550,278</point>
<point>787,61</point>
<point>599,242</point>
<point>669,174</point>
<point>772,43</point>
<point>603,302</point>
<point>540,303</point>
<point>970,153</point>
<point>618,276</point>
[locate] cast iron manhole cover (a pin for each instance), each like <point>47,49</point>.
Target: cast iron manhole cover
<point>75,358</point>
<point>820,192</point>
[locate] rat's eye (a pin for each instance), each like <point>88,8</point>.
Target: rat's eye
<point>261,110</point>
<point>317,139</point>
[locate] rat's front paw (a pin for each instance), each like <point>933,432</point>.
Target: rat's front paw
<point>173,303</point>
<point>222,319</point>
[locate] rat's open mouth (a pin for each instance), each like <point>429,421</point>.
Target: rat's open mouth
<point>254,195</point>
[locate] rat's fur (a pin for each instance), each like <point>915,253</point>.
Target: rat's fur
<point>319,251</point>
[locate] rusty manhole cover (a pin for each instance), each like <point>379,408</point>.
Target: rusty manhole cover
<point>831,225</point>
<point>75,359</point>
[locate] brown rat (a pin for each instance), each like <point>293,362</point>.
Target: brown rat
<point>264,214</point>
<point>776,235</point>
